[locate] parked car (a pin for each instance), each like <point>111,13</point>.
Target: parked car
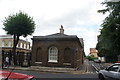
<point>117,61</point>
<point>97,61</point>
<point>112,71</point>
<point>13,75</point>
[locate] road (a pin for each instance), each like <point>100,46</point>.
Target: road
<point>89,67</point>
<point>58,75</point>
<point>90,74</point>
<point>100,66</point>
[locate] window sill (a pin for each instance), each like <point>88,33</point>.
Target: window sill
<point>38,62</point>
<point>54,61</point>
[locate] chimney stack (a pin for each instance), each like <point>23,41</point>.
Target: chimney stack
<point>61,30</point>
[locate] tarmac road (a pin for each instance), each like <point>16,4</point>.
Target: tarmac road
<point>89,67</point>
<point>46,75</point>
<point>89,74</point>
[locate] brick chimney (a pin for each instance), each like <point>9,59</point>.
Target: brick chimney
<point>61,30</point>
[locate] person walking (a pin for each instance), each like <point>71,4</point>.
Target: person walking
<point>7,61</point>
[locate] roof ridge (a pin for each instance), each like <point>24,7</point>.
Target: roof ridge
<point>56,35</point>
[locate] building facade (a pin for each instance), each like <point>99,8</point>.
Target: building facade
<point>57,50</point>
<point>23,51</point>
<point>93,52</point>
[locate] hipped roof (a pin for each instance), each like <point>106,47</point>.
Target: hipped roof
<point>57,35</point>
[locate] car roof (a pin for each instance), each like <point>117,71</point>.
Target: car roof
<point>117,63</point>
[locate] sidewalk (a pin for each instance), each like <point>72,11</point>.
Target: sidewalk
<point>81,70</point>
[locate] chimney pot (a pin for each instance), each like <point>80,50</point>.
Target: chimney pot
<point>61,30</point>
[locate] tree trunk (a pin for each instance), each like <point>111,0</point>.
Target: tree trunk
<point>15,42</point>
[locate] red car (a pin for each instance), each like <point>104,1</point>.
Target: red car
<point>14,75</point>
<point>117,61</point>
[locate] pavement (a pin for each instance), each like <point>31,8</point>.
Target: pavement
<point>81,70</point>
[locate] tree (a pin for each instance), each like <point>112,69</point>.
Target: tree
<point>109,38</point>
<point>91,57</point>
<point>19,24</point>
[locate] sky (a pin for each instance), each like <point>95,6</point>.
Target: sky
<point>78,17</point>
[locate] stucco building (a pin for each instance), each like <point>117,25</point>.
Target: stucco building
<point>23,49</point>
<point>57,50</point>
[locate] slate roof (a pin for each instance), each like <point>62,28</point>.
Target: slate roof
<point>56,36</point>
<point>6,36</point>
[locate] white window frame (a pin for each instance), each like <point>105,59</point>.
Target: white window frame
<point>27,46</point>
<point>9,44</point>
<point>3,43</point>
<point>53,55</point>
<point>21,45</point>
<point>24,46</point>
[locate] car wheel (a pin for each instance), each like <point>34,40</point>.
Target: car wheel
<point>101,77</point>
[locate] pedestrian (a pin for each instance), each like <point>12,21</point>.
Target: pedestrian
<point>7,61</point>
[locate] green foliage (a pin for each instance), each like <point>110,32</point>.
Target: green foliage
<point>20,24</point>
<point>109,38</point>
<point>91,58</point>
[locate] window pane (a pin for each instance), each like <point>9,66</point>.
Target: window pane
<point>53,53</point>
<point>9,44</point>
<point>114,68</point>
<point>3,43</point>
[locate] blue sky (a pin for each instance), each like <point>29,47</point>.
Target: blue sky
<point>78,17</point>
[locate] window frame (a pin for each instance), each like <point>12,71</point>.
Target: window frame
<point>3,44</point>
<point>24,45</point>
<point>21,45</point>
<point>53,54</point>
<point>113,68</point>
<point>9,44</point>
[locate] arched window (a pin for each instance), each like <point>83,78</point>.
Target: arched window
<point>3,43</point>
<point>9,44</point>
<point>21,44</point>
<point>53,54</point>
<point>28,46</point>
<point>24,46</point>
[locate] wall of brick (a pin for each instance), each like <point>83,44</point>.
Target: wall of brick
<point>75,58</point>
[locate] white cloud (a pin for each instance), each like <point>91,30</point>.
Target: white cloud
<point>79,17</point>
